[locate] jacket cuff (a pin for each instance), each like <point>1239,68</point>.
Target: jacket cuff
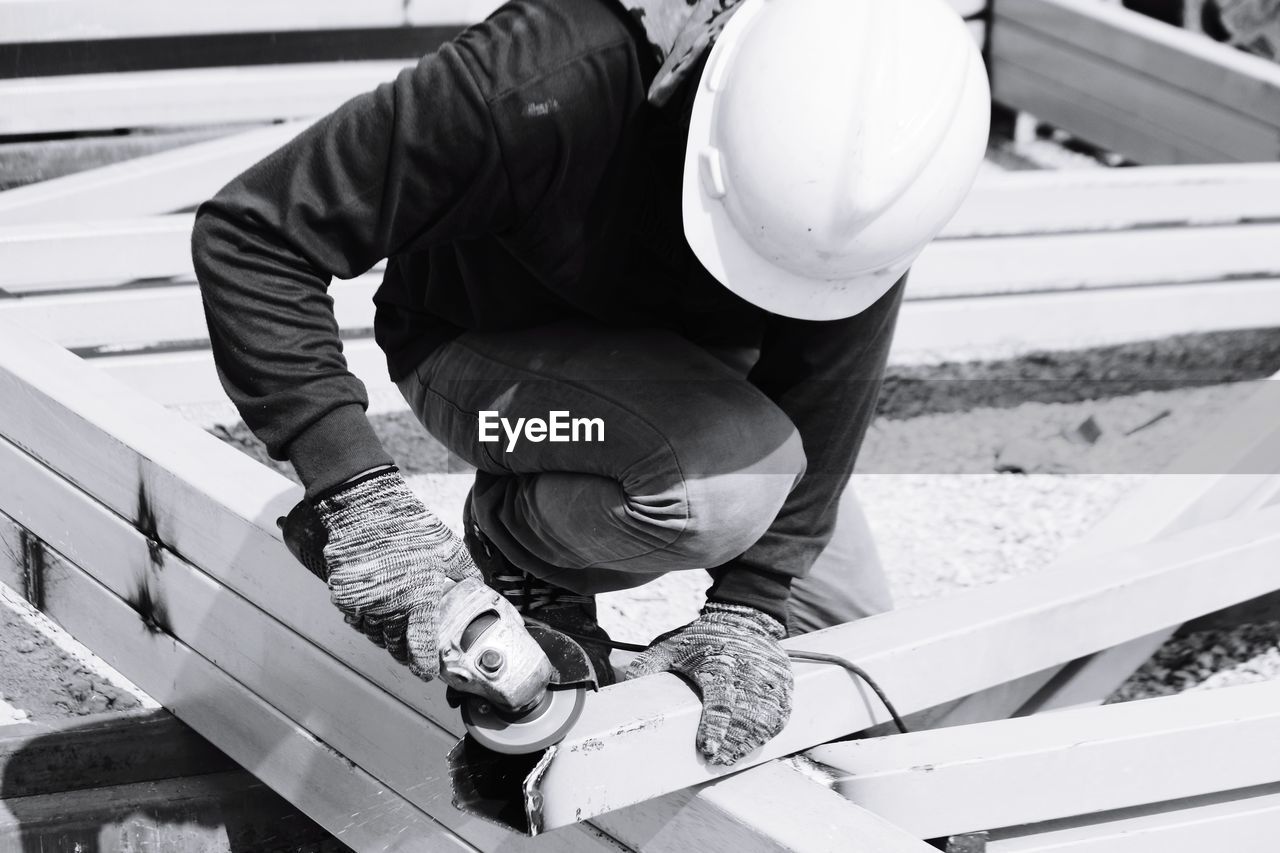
<point>767,592</point>
<point>336,448</point>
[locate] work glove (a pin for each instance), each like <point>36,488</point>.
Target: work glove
<point>388,558</point>
<point>731,654</point>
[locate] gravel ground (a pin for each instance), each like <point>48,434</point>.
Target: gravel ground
<point>1205,660</point>
<point>46,675</point>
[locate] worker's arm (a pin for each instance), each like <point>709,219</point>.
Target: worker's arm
<point>413,163</point>
<point>825,376</point>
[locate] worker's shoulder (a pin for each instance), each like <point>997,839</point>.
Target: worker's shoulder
<point>552,54</point>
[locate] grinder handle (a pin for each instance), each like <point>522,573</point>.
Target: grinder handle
<point>305,537</point>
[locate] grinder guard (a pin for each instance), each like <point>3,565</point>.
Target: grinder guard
<point>485,650</point>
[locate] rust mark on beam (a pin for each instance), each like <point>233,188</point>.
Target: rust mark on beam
<point>150,608</point>
<point>33,563</point>
<point>147,524</point>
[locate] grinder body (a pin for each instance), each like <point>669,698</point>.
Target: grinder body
<point>520,685</point>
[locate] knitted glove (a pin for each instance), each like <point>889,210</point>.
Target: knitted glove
<point>731,653</point>
<point>387,558</point>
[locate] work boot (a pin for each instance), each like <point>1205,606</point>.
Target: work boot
<point>539,601</point>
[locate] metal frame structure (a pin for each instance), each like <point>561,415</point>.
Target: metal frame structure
<point>1056,260</point>
<point>1137,86</point>
<point>161,555</point>
<point>155,544</point>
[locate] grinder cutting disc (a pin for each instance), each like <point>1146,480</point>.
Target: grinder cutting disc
<point>530,731</point>
<point>536,728</point>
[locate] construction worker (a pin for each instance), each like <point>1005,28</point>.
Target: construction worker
<point>573,223</point>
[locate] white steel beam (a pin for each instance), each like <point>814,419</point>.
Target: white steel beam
<point>1184,59</point>
<point>999,204</point>
<point>184,97</point>
<point>1238,821</point>
<point>1076,200</point>
<point>948,268</point>
<point>65,255</point>
<point>772,808</point>
<point>1105,259</point>
<point>189,378</point>
<point>928,330</point>
<point>138,318</point>
<point>1014,324</point>
<point>195,497</point>
<point>146,186</point>
<point>1233,468</point>
<point>921,656</point>
<point>76,20</point>
<point>1033,769</point>
<point>312,776</point>
<point>332,701</point>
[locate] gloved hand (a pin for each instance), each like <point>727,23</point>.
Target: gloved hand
<point>731,653</point>
<point>387,558</point>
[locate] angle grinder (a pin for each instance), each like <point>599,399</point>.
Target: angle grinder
<point>519,684</point>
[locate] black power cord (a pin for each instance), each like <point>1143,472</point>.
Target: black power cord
<point>836,660</point>
<point>794,654</point>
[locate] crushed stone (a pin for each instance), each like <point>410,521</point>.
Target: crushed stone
<point>1206,660</point>
<point>39,680</point>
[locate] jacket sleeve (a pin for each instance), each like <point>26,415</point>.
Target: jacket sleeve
<point>413,163</point>
<point>826,377</point>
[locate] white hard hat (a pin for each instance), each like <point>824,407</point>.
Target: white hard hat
<point>830,141</point>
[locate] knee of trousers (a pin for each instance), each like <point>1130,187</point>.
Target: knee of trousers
<point>736,476</point>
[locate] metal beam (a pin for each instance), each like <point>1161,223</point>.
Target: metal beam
<point>1015,324</point>
<point>190,495</point>
<point>330,701</point>
<point>1239,821</point>
<point>102,750</point>
<point>302,769</point>
<point>772,808</point>
<point>146,317</point>
<point>1233,468</point>
<point>65,255</point>
<point>76,20</point>
<point>1077,200</point>
<point>636,740</point>
<point>145,186</point>
<point>928,330</point>
<point>184,97</point>
<point>1033,769</point>
<point>99,252</point>
<point>1105,259</point>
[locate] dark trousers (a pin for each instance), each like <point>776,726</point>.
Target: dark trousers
<point>693,466</point>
